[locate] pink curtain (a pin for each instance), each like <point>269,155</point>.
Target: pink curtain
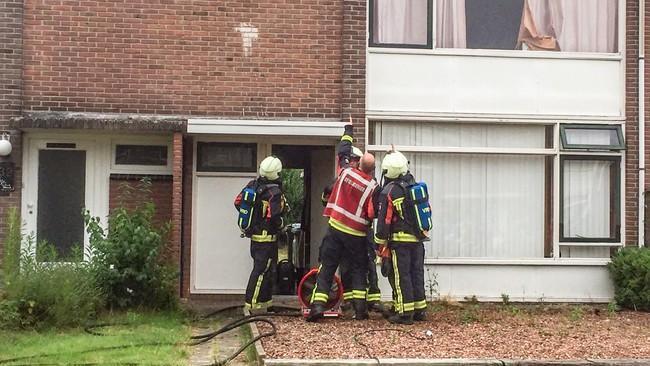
<point>450,24</point>
<point>400,22</point>
<point>570,25</point>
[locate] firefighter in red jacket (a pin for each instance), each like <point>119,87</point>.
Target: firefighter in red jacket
<point>400,240</point>
<point>266,223</point>
<point>350,211</point>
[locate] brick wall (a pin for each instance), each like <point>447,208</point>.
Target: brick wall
<point>11,12</point>
<point>185,57</point>
<point>354,67</point>
<point>631,123</point>
<point>647,121</point>
<point>161,195</point>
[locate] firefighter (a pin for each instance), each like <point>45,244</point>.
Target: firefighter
<point>350,156</point>
<point>350,211</point>
<point>396,233</point>
<point>266,223</point>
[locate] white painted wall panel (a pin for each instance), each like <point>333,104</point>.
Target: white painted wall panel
<point>494,85</point>
<point>529,283</point>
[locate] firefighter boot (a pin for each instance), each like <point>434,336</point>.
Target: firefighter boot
<point>316,311</point>
<point>406,318</point>
<point>377,307</point>
<point>420,315</point>
<point>360,309</point>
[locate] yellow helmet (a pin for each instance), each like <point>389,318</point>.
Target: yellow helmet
<point>356,152</point>
<point>270,168</point>
<point>394,165</point>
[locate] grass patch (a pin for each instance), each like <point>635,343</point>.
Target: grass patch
<point>72,346</point>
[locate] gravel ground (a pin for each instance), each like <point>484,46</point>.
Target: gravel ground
<point>471,331</point>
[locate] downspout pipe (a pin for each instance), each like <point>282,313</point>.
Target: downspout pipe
<point>641,109</point>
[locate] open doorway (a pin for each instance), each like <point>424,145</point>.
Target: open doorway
<point>306,172</point>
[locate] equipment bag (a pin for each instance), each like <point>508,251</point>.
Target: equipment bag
<point>247,210</point>
<point>417,208</point>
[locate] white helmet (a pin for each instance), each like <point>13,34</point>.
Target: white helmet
<point>270,168</point>
<point>394,165</point>
<point>356,152</point>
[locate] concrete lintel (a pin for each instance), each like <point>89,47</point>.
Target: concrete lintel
<point>100,121</point>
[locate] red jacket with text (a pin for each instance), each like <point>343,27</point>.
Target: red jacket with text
<point>350,206</point>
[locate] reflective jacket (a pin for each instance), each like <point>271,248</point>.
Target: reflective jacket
<point>350,207</point>
<point>271,205</point>
<point>392,223</point>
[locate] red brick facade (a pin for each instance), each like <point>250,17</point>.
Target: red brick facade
<point>186,57</point>
<point>161,195</point>
<point>11,60</point>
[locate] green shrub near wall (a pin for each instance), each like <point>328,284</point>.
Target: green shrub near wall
<point>630,271</point>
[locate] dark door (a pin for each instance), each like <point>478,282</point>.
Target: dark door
<point>61,197</point>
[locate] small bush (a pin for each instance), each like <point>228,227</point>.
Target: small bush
<point>505,299</point>
<point>630,271</point>
<point>39,294</point>
<point>577,314</point>
<point>128,260</point>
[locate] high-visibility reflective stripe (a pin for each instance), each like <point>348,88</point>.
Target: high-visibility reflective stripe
<point>264,237</point>
<point>258,285</point>
<point>319,297</point>
<point>380,241</point>
<point>400,299</point>
<point>404,237</point>
<point>359,294</point>
<point>347,295</point>
<point>260,305</point>
<point>409,306</point>
<point>370,183</point>
<point>313,292</point>
<point>373,297</point>
<point>420,305</point>
<point>344,228</point>
<point>351,216</point>
<point>347,138</point>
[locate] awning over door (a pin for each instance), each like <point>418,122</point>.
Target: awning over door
<point>327,129</point>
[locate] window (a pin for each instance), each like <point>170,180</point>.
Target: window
<point>593,137</point>
<point>400,23</point>
<point>590,204</point>
<point>141,155</point>
<point>550,25</point>
<point>226,157</point>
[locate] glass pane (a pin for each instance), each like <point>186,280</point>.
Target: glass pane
<point>226,157</point>
<point>400,22</point>
<point>141,155</point>
<point>587,198</point>
<point>458,135</point>
<point>605,137</point>
<point>61,197</point>
<point>548,25</point>
<point>483,206</point>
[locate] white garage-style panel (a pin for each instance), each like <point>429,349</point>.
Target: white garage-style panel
<point>221,260</point>
<point>461,84</point>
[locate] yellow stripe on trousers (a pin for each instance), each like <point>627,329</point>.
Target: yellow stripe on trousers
<point>400,299</point>
<point>258,285</point>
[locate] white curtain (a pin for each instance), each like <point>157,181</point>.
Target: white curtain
<point>586,201</point>
<point>483,205</point>
<point>570,25</point>
<point>400,22</point>
<point>451,30</point>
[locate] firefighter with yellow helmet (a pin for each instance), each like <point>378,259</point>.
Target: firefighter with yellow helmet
<point>261,205</point>
<point>403,221</point>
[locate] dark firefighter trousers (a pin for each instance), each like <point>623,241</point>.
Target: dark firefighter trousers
<point>372,285</point>
<point>349,251</point>
<point>408,276</point>
<point>259,290</point>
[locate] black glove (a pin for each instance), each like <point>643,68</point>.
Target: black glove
<point>348,129</point>
<point>386,266</point>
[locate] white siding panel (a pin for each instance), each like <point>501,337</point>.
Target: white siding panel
<point>493,85</point>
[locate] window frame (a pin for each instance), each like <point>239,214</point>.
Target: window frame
<point>615,198</point>
<point>116,168</point>
<point>371,17</point>
<point>565,146</point>
<point>199,144</point>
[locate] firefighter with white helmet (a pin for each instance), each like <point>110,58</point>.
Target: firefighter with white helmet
<point>400,234</point>
<point>261,205</point>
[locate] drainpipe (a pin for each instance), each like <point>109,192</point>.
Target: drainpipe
<point>641,108</point>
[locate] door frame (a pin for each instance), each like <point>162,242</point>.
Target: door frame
<point>94,200</point>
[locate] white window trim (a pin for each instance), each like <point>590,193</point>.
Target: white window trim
<point>556,152</point>
<point>617,56</point>
<point>141,169</point>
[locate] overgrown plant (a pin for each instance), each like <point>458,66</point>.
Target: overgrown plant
<point>432,285</point>
<point>128,257</point>
<point>293,186</point>
<point>41,293</point>
<point>630,271</point>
